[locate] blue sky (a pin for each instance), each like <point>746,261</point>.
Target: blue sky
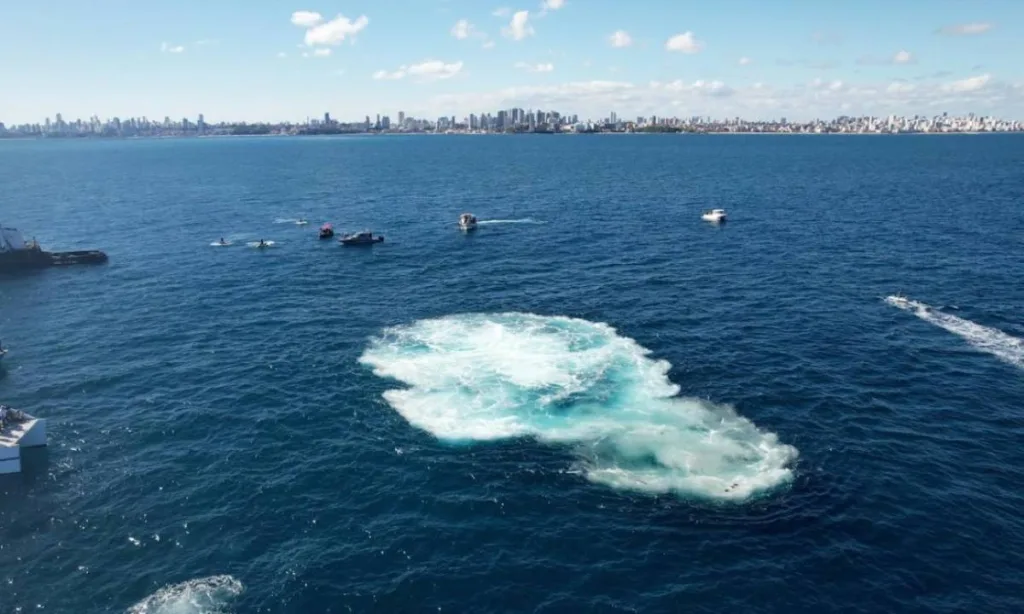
<point>272,60</point>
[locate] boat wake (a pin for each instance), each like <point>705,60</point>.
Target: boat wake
<point>526,220</point>
<point>256,244</point>
<point>1005,347</point>
<point>219,244</point>
<point>481,377</point>
<point>209,595</point>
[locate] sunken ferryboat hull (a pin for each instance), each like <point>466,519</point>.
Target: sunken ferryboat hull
<point>38,259</point>
<point>17,255</point>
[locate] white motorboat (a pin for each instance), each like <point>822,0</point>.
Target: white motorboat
<point>713,215</point>
<point>467,221</point>
<point>18,430</point>
<point>364,237</point>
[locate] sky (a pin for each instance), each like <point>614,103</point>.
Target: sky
<point>274,60</point>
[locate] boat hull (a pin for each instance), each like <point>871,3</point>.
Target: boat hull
<point>29,433</point>
<point>28,259</point>
<point>361,242</point>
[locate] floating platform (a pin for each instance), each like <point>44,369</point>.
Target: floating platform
<point>16,254</point>
<point>38,259</point>
<point>15,434</point>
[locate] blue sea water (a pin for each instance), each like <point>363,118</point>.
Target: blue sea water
<point>594,403</point>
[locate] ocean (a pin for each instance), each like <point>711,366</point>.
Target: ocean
<point>596,402</point>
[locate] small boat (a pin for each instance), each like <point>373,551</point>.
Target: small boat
<point>713,215</point>
<point>3,352</point>
<point>361,238</point>
<point>326,231</point>
<point>301,222</point>
<point>467,221</point>
<point>18,430</point>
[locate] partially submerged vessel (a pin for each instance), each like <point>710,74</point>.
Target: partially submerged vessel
<point>467,221</point>
<point>713,215</point>
<point>18,430</point>
<point>364,237</point>
<point>326,231</point>
<point>16,254</point>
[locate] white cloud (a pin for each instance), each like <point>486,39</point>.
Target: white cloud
<point>546,6</point>
<point>307,19</point>
<point>744,61</point>
<point>899,87</point>
<point>684,43</point>
<point>323,52</point>
<point>700,87</point>
<point>966,29</point>
<point>383,75</point>
<point>488,45</point>
<point>462,29</point>
<point>969,84</point>
<point>282,55</point>
<point>502,12</point>
<point>335,31</point>
<point>519,28</point>
<point>542,67</point>
<point>817,99</point>
<point>903,57</point>
<point>620,39</point>
<point>171,48</point>
<point>435,69</point>
<point>428,70</point>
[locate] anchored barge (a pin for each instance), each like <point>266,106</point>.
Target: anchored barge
<point>16,254</point>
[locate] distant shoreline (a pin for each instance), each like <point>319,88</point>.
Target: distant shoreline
<point>435,134</point>
<point>690,133</point>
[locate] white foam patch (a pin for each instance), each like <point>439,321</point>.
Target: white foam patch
<point>526,220</point>
<point>993,341</point>
<point>256,244</point>
<point>484,377</point>
<point>209,595</point>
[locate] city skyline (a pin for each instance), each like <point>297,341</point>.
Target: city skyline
<point>515,120</point>
<point>257,61</point>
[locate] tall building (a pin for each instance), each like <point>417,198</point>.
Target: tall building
<point>401,118</point>
<point>327,119</point>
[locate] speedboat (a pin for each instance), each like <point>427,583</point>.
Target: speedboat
<point>713,215</point>
<point>326,231</point>
<point>467,221</point>
<point>361,238</point>
<point>301,222</point>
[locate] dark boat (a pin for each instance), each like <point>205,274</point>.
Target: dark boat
<point>326,231</point>
<point>361,238</point>
<point>18,255</point>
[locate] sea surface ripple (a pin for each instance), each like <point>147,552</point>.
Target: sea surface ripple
<point>452,422</point>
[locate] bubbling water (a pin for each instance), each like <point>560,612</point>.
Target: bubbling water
<point>480,377</point>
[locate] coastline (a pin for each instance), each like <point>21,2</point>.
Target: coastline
<point>520,134</point>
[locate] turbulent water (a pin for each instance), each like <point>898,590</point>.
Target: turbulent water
<point>595,402</point>
<point>571,381</point>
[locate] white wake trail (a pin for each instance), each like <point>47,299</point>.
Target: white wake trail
<point>525,220</point>
<point>1005,347</point>
<point>210,595</point>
